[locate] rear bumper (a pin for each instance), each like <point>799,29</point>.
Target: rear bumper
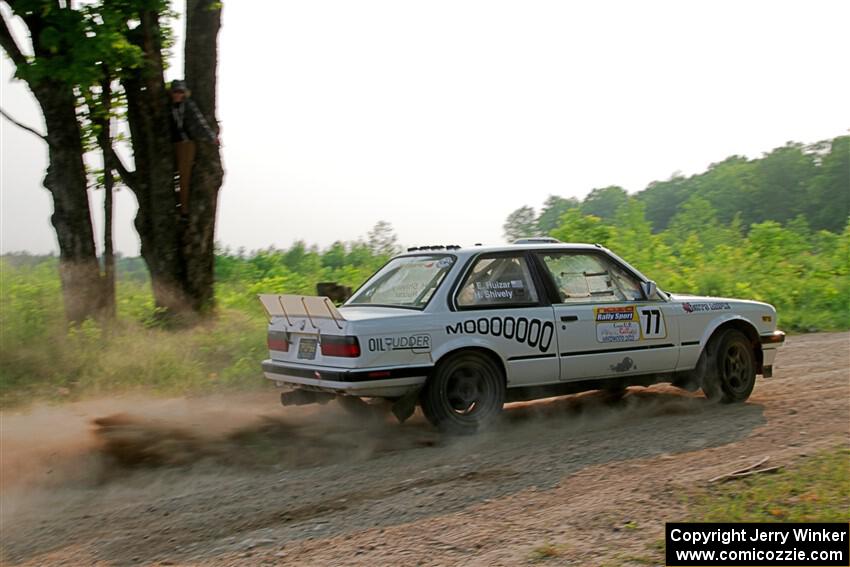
<point>371,382</point>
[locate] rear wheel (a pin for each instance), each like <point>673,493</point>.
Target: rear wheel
<point>466,392</point>
<point>730,374</point>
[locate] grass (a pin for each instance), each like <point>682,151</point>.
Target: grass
<point>814,490</point>
<point>223,354</point>
<point>544,552</point>
<point>41,359</point>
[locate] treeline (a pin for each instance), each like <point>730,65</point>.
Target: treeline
<point>241,275</point>
<point>803,272</point>
<point>792,181</point>
<point>30,295</point>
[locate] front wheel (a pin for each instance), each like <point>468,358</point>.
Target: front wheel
<point>466,392</point>
<point>732,374</point>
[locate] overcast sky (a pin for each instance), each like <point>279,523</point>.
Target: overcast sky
<point>442,117</point>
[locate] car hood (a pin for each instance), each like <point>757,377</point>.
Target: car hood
<point>684,298</point>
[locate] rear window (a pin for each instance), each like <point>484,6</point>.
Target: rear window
<point>408,281</point>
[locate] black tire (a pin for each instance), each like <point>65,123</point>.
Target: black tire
<point>464,394</point>
<point>729,367</point>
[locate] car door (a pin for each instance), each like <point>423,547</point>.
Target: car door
<point>604,324</point>
<point>501,304</point>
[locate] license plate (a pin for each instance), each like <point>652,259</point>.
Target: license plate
<point>307,349</point>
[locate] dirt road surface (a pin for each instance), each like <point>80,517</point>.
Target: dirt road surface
<point>235,480</point>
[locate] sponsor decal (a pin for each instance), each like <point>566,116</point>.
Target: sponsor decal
<point>616,324</point>
<point>614,313</point>
<point>533,332</point>
<point>624,365</point>
<point>622,332</point>
<point>652,323</point>
<point>624,324</point>
<point>420,342</point>
<point>496,290</point>
<point>703,307</point>
<point>405,291</point>
<point>445,262</point>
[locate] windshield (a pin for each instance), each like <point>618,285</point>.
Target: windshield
<point>409,281</point>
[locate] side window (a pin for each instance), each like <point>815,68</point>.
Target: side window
<point>497,280</point>
<point>582,278</point>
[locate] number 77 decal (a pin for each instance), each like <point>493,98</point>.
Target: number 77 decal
<point>652,323</point>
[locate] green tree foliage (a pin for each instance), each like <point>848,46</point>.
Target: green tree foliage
<point>781,177</point>
<point>827,203</point>
<point>520,224</point>
<point>789,181</point>
<point>663,199</point>
<point>576,227</point>
<point>382,240</point>
<point>553,209</point>
<point>604,202</point>
<point>334,258</point>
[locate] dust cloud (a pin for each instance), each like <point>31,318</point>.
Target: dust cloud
<point>92,442</point>
<point>61,455</point>
<point>89,442</point>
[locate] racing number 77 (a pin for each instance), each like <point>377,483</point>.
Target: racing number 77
<point>652,314</point>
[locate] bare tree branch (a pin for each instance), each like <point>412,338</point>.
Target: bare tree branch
<point>127,176</point>
<point>24,126</point>
<point>10,45</point>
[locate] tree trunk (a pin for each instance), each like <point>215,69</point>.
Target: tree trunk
<point>66,180</point>
<point>105,142</point>
<point>153,181</point>
<point>203,21</point>
<point>179,254</point>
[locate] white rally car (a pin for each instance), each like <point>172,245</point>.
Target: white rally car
<point>461,331</point>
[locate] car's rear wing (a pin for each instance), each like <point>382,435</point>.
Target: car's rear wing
<point>296,308</point>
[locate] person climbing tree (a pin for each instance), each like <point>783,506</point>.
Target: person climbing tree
<point>188,126</point>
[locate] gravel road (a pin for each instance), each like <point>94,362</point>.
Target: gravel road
<point>233,480</point>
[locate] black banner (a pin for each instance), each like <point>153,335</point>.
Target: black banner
<point>757,544</point>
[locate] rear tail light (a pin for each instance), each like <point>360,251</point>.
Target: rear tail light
<point>278,341</point>
<point>348,347</point>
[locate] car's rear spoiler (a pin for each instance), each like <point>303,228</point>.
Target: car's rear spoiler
<point>292,307</point>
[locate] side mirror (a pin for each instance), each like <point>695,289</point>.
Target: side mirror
<point>650,289</point>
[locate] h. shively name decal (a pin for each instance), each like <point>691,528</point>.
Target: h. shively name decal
<point>534,332</point>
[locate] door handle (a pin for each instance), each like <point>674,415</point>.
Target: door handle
<point>569,318</point>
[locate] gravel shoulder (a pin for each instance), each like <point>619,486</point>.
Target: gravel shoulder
<point>240,480</point>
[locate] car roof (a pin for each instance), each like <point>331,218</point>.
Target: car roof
<point>470,251</point>
<point>505,248</point>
